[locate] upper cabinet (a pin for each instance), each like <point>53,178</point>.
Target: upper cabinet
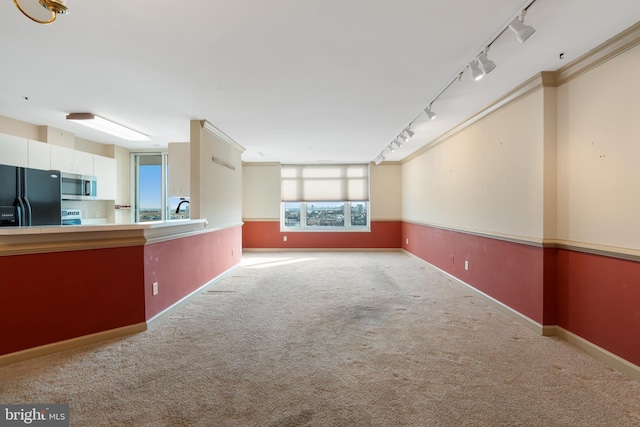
<point>14,151</point>
<point>179,169</point>
<point>104,168</point>
<point>68,160</point>
<point>39,155</point>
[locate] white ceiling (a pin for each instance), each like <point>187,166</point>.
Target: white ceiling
<point>292,81</point>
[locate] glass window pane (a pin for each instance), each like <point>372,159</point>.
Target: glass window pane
<point>150,188</point>
<point>358,214</point>
<point>292,214</point>
<point>325,214</point>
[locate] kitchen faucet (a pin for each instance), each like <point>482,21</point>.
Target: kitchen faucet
<point>180,204</point>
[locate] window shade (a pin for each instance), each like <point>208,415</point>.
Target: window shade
<point>315,183</point>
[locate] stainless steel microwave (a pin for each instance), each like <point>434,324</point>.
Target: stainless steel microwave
<point>78,187</point>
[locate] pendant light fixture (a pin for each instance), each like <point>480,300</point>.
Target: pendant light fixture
<point>56,7</point>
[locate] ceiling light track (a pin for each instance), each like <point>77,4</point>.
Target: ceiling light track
<point>479,66</point>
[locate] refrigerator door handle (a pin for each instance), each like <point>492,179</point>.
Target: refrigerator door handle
<point>27,211</point>
<point>21,211</point>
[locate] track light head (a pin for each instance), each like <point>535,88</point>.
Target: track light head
<point>485,64</point>
<point>404,136</point>
<point>398,142</point>
<point>430,114</point>
<point>410,133</point>
<point>523,32</point>
<point>476,72</point>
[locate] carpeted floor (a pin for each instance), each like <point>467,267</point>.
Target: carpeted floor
<point>330,339</point>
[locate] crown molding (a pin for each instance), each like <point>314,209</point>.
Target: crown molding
<point>613,47</point>
<point>221,135</point>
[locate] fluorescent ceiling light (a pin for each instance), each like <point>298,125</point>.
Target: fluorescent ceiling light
<point>106,126</point>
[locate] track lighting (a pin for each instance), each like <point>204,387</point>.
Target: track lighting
<point>430,114</point>
<point>485,64</point>
<point>476,72</point>
<point>523,32</point>
<point>479,66</point>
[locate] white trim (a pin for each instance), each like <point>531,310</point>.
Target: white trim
<point>529,323</point>
<point>70,344</point>
<point>73,343</point>
<point>221,135</point>
<point>321,249</point>
<point>189,296</point>
<point>614,361</point>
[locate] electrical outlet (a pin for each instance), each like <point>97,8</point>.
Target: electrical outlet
<point>466,265</point>
<point>407,240</point>
<point>154,290</point>
<point>284,238</point>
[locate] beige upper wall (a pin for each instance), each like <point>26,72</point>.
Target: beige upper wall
<point>14,127</point>
<point>216,189</point>
<point>261,192</point>
<point>487,178</point>
<point>53,136</point>
<point>385,188</point>
<point>599,148</point>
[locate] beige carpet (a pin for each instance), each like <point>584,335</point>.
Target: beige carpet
<point>330,339</point>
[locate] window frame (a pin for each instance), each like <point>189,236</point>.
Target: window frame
<point>347,227</point>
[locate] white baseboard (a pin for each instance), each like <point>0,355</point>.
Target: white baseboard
<point>73,343</point>
<point>189,296</point>
<point>70,344</point>
<point>529,323</point>
<point>612,360</point>
<point>616,362</point>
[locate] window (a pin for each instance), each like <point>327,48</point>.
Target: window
<point>150,189</point>
<point>152,202</point>
<point>325,197</point>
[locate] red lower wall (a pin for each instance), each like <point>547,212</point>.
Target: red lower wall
<point>508,272</point>
<point>50,297</point>
<point>599,300</point>
<point>267,234</point>
<point>593,296</point>
<point>181,266</point>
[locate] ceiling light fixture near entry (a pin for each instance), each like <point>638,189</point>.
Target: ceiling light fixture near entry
<point>106,126</point>
<point>56,7</point>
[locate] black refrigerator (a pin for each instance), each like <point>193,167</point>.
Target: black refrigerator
<point>32,195</point>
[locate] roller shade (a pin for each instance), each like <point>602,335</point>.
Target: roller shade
<point>314,183</point>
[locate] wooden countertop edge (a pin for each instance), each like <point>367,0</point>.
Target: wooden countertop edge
<point>75,238</point>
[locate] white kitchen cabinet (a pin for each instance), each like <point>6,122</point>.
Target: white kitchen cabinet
<point>14,151</point>
<point>68,160</point>
<point>39,155</point>
<point>104,168</point>
<point>179,169</point>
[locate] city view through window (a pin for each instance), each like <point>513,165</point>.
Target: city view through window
<point>150,191</point>
<point>325,214</point>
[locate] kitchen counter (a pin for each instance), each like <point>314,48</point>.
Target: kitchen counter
<point>54,238</point>
<point>67,286</point>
